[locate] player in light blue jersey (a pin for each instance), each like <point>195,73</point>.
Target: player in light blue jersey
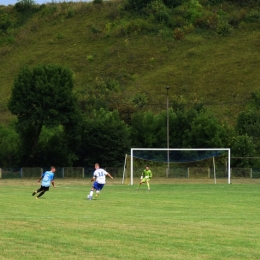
<point>99,178</point>
<point>47,179</point>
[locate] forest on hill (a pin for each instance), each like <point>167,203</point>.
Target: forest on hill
<point>83,82</point>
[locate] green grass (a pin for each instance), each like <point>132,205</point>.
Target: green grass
<point>172,221</point>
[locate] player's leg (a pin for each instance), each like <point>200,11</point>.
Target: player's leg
<point>42,192</point>
<point>140,183</point>
<point>91,193</point>
<point>97,193</point>
<point>35,192</point>
<point>94,187</point>
<point>100,187</point>
<point>37,197</point>
<point>148,184</point>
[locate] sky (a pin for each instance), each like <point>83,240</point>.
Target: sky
<point>12,2</point>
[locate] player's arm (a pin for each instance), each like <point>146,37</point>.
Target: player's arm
<point>93,178</point>
<point>109,175</point>
<point>53,184</point>
<point>151,174</point>
<point>40,178</point>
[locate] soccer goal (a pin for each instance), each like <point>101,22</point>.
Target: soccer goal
<point>189,163</point>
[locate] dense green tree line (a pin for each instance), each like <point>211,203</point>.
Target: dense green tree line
<point>55,126</point>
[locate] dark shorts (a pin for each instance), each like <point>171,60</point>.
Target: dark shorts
<point>42,188</point>
<point>98,186</point>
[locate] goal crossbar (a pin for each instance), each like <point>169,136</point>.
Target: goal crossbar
<point>178,149</point>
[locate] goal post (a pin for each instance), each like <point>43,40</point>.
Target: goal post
<point>182,157</point>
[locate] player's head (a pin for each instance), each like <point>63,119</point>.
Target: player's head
<point>53,169</point>
<point>147,167</point>
<point>96,165</point>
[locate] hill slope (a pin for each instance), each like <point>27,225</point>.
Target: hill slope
<point>95,42</point>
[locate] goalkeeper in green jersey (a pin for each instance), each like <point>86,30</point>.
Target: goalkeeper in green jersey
<point>146,177</point>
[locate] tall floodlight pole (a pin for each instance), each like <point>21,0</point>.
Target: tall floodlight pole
<point>168,139</point>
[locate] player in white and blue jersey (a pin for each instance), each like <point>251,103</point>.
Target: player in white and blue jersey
<point>47,179</point>
<point>99,178</point>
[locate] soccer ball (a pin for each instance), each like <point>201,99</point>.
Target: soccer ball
<point>88,197</point>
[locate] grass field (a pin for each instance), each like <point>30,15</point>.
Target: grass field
<point>172,221</point>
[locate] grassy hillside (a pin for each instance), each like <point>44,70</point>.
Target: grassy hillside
<point>104,42</point>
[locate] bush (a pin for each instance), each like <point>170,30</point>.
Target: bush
<point>178,34</point>
<point>98,2</point>
<point>209,21</point>
<point>236,17</point>
<point>253,16</point>
<point>140,4</point>
<point>223,28</point>
<point>160,11</point>
<point>137,4</point>
<point>179,21</point>
<point>5,21</point>
<point>71,13</point>
<point>215,2</point>
<point>173,4</point>
<point>195,10</point>
<point>188,29</point>
<point>137,26</point>
<point>24,5</point>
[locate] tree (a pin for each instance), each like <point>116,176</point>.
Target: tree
<point>243,146</point>
<point>248,122</point>
<point>52,148</point>
<point>206,132</point>
<point>9,146</point>
<point>41,96</point>
<point>145,127</point>
<point>105,139</point>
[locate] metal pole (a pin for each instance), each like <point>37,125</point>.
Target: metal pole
<point>168,141</point>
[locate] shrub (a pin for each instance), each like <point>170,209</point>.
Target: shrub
<point>94,29</point>
<point>208,21</point>
<point>195,10</point>
<point>98,2</point>
<point>137,4</point>
<point>188,28</point>
<point>179,21</point>
<point>90,58</point>
<point>137,26</point>
<point>175,3</point>
<point>215,2</point>
<point>236,17</point>
<point>60,36</point>
<point>71,13</point>
<point>5,21</point>
<point>24,5</point>
<point>114,11</point>
<point>178,34</point>
<point>160,11</point>
<point>223,28</point>
<point>253,16</point>
<point>140,4</point>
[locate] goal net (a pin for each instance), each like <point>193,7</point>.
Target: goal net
<point>186,164</point>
